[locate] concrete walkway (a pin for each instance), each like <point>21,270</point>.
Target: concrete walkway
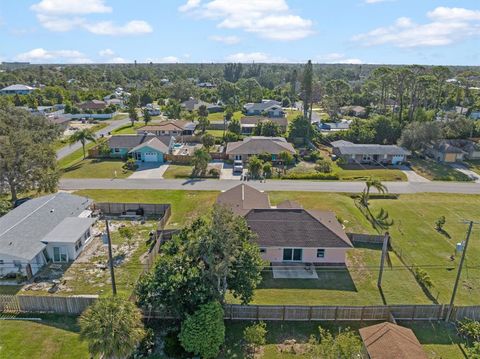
<point>466,171</point>
<point>149,171</point>
<point>269,185</point>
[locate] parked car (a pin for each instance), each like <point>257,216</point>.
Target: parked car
<point>238,166</point>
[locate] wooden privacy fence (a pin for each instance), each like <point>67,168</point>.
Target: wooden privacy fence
<point>115,209</point>
<point>366,238</point>
<point>45,304</point>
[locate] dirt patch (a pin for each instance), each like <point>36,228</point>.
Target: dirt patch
<point>292,347</point>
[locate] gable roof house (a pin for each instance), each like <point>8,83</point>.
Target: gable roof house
<point>450,151</point>
<point>145,147</point>
<point>258,145</point>
<point>17,89</point>
<point>193,104</point>
<point>387,340</point>
<point>269,108</point>
<point>54,227</point>
<point>357,111</point>
<point>93,105</point>
<point>170,128</point>
<point>369,153</point>
<point>249,123</point>
<point>289,233</point>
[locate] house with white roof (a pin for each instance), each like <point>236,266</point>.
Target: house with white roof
<point>54,228</point>
<point>17,89</point>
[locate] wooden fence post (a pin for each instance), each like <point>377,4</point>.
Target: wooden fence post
<point>335,316</point>
<point>414,311</point>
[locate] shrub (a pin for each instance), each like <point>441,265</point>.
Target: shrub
<point>439,223</point>
<point>214,172</point>
<point>311,176</point>
<point>469,328</point>
<point>172,346</point>
<point>255,334</point>
<point>422,277</point>
<point>323,166</point>
<point>203,332</point>
<point>130,165</point>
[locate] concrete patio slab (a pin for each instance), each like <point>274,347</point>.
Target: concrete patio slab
<point>295,272</point>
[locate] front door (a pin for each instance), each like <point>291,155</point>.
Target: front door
<point>292,254</point>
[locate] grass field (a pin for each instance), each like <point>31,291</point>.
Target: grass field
<point>54,337</point>
<point>74,157</point>
<point>474,165</point>
<point>96,168</point>
<point>218,116</point>
<point>178,171</point>
<point>437,171</point>
<point>128,129</point>
<point>10,289</point>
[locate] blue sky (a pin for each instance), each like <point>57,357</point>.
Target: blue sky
<point>327,31</point>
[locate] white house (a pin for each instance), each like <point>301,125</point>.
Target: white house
<point>54,228</point>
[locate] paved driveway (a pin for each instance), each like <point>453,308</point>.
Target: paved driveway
<point>150,171</point>
<point>226,173</point>
<point>462,168</point>
<point>413,176</point>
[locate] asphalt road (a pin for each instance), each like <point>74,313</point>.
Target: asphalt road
<point>271,185</point>
<point>66,150</point>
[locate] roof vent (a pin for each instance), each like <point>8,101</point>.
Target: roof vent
<point>52,210</point>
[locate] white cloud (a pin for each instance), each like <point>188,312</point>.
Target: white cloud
<point>106,53</point>
<point>271,19</point>
<point>118,60</point>
<point>376,1</point>
<point>254,57</point>
<point>337,58</point>
<point>190,5</point>
<point>66,15</point>
<point>169,59</point>
<point>133,27</point>
<point>41,55</point>
<point>447,26</point>
<point>228,40</point>
<point>62,7</point>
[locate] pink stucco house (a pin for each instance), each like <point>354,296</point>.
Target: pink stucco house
<point>288,233</point>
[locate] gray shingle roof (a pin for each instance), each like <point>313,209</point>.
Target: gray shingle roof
<point>261,106</point>
<point>256,145</point>
<point>131,141</point>
<point>295,227</point>
<point>69,230</point>
<point>348,148</point>
<point>242,198</point>
<point>23,228</point>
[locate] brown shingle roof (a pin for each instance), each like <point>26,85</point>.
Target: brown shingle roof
<point>242,198</point>
<point>257,145</point>
<point>387,340</point>
<point>297,228</point>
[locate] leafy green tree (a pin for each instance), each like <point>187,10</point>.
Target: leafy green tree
<point>112,327</point>
<point>132,114</point>
<point>268,129</point>
<point>234,126</point>
<point>251,89</point>
<point>213,255</point>
<point>203,332</point>
<point>416,136</point>
<point>307,83</point>
<point>146,116</point>
<point>27,158</point>
<point>337,93</point>
<point>203,123</point>
<point>173,109</point>
<point>287,159</point>
<point>200,162</point>
<point>346,344</point>
<point>267,170</point>
<point>232,72</point>
<point>255,335</point>
<point>82,136</point>
<point>255,166</point>
<point>324,166</point>
<point>300,130</point>
<point>208,141</point>
<point>439,223</point>
<point>5,207</point>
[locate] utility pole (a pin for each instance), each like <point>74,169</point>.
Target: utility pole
<point>455,287</point>
<point>110,259</point>
<point>382,260</point>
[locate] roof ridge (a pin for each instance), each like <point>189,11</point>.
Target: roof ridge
<point>329,229</point>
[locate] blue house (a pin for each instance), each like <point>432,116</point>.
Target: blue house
<point>145,147</point>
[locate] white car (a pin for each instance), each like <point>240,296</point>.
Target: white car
<point>237,166</point>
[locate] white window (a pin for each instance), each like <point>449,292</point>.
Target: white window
<point>320,253</point>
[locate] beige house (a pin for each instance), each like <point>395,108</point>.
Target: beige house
<point>258,145</point>
<point>454,150</point>
<point>288,233</point>
<point>169,128</point>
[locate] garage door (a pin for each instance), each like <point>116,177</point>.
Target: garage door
<point>151,157</point>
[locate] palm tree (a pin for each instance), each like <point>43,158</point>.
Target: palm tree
<point>373,183</point>
<point>83,136</point>
<point>112,327</point>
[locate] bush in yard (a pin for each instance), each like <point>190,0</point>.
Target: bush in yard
<point>254,335</point>
<point>346,344</point>
<point>214,172</point>
<point>172,346</point>
<point>112,327</point>
<point>323,166</point>
<point>422,277</point>
<point>470,329</point>
<point>103,149</point>
<point>5,207</point>
<point>267,170</point>
<point>473,352</point>
<point>255,166</point>
<point>203,332</point>
<point>439,223</point>
<point>130,165</point>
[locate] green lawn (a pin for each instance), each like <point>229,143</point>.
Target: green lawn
<point>9,289</point>
<point>186,205</point>
<point>352,172</point>
<point>75,156</point>
<point>96,168</point>
<point>119,116</point>
<point>437,171</point>
<point>54,337</point>
<point>218,116</point>
<point>216,133</point>
<point>128,129</point>
<point>178,171</point>
<point>474,165</point>
<point>292,114</point>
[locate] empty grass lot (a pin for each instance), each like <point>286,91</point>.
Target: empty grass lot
<point>218,116</point>
<point>96,168</point>
<point>178,171</point>
<point>54,337</point>
<point>435,171</point>
<point>474,165</point>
